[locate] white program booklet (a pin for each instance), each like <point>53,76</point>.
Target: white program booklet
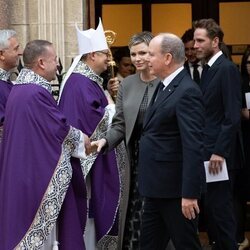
<point>247,95</point>
<point>221,176</point>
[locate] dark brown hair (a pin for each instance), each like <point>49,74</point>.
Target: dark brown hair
<point>213,29</point>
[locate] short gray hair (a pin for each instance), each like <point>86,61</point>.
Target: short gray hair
<point>141,37</point>
<point>173,44</point>
<point>33,50</point>
<point>5,35</point>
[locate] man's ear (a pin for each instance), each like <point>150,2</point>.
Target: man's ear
<point>92,55</point>
<point>1,56</point>
<point>215,42</point>
<point>40,63</point>
<point>168,58</point>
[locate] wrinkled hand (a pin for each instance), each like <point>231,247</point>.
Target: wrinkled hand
<point>215,164</point>
<point>98,145</point>
<point>87,144</point>
<point>113,86</point>
<point>190,208</point>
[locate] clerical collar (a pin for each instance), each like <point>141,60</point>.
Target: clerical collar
<point>85,70</point>
<point>27,76</point>
<point>4,75</point>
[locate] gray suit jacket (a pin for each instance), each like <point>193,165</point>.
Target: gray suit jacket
<point>128,102</point>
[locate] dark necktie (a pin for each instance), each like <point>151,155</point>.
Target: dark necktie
<point>160,90</point>
<point>196,74</point>
<point>204,72</point>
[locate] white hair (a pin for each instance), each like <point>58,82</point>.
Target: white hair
<point>174,45</point>
<point>5,35</point>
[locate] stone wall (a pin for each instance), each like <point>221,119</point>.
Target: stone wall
<point>4,14</point>
<point>53,20</point>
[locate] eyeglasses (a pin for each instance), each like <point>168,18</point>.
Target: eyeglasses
<point>104,53</point>
<point>247,62</point>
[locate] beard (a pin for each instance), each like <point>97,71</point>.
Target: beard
<point>205,55</point>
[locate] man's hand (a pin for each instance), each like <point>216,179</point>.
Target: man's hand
<point>113,86</point>
<point>215,164</point>
<point>190,208</point>
<point>87,144</point>
<point>245,113</point>
<point>98,145</point>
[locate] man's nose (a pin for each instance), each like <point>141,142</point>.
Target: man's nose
<point>195,45</point>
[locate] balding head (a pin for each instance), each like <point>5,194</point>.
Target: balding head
<point>166,54</point>
<point>172,44</point>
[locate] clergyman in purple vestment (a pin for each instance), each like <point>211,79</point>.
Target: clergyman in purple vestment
<point>85,104</point>
<point>42,200</point>
<point>9,56</point>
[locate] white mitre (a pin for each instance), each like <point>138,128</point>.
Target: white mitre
<point>90,40</point>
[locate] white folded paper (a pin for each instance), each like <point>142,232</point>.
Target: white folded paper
<point>247,95</point>
<point>221,176</point>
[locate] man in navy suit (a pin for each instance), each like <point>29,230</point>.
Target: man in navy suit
<point>171,171</point>
<point>192,64</point>
<point>221,87</point>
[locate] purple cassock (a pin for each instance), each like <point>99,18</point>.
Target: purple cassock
<point>83,101</point>
<point>5,88</point>
<point>39,189</point>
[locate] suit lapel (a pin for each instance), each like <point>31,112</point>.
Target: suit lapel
<point>136,98</point>
<point>210,73</point>
<point>154,105</point>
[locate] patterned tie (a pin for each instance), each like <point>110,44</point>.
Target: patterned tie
<point>143,106</point>
<point>196,74</point>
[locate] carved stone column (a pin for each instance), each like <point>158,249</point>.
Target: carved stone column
<point>52,20</point>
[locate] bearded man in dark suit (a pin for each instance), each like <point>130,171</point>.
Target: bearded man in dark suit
<point>221,87</point>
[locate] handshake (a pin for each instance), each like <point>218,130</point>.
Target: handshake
<point>94,146</point>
